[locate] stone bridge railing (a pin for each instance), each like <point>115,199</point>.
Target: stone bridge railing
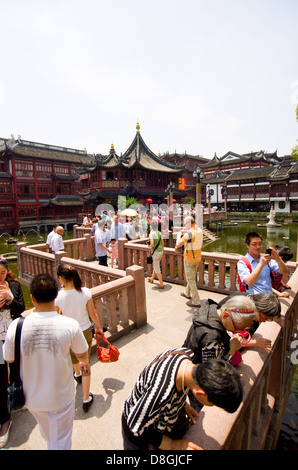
<point>267,378</point>
<point>119,296</point>
<point>217,271</point>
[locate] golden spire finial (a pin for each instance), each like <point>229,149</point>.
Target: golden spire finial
<point>138,127</point>
<point>112,146</point>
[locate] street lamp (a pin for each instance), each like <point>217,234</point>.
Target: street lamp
<point>209,194</point>
<point>224,195</point>
<point>209,200</point>
<point>198,176</point>
<point>169,190</point>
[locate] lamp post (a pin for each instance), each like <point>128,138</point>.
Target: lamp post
<point>209,193</point>
<point>198,176</point>
<point>169,190</point>
<point>224,195</point>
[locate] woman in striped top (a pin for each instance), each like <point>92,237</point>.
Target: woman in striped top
<point>156,414</point>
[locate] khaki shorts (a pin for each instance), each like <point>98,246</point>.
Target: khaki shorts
<point>156,258</point>
<point>88,336</point>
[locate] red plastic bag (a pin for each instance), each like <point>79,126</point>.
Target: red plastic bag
<point>110,354</point>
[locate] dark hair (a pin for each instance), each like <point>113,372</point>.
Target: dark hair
<point>251,235</point>
<point>220,382</point>
<point>9,276</point>
<point>268,304</point>
<point>284,252</point>
<point>44,288</point>
<point>70,274</point>
<point>154,225</point>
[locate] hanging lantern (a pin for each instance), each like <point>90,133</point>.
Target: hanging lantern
<point>174,201</point>
<point>149,201</point>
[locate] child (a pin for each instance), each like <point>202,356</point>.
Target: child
<point>114,254</point>
<point>276,279</point>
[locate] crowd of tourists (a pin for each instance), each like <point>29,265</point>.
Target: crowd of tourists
<point>171,390</point>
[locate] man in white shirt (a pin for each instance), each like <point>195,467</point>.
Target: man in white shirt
<point>101,241</point>
<point>49,239</point>
<point>57,240</point>
<point>46,367</point>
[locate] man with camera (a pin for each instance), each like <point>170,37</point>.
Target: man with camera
<point>254,272</point>
<point>192,240</point>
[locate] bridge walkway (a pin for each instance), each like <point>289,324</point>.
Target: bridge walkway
<point>169,319</point>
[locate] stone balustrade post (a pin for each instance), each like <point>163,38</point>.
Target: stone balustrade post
<point>122,255</point>
<point>20,258</point>
<point>137,300</point>
<point>75,235</point>
<point>89,247</point>
<point>58,256</point>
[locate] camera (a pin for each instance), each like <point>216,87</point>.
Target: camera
<point>268,251</point>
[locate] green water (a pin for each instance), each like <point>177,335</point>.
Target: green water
<point>232,237</point>
<point>231,240</point>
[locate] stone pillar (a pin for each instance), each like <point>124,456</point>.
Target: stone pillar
<point>122,256</point>
<point>89,247</point>
<point>58,256</point>
<point>20,259</point>
<point>75,231</point>
<point>137,301</point>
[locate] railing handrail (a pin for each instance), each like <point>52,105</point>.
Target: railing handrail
<point>266,378</point>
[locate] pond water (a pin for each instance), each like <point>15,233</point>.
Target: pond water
<point>231,240</point>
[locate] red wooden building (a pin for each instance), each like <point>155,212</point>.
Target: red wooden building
<point>38,184</point>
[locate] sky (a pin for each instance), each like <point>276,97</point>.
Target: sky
<point>199,76</point>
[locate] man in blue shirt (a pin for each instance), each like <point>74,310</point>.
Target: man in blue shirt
<point>258,280</point>
<point>117,229</point>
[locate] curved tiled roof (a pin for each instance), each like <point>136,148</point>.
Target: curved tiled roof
<point>44,151</point>
<point>137,155</point>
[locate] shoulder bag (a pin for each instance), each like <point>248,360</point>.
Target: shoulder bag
<point>16,397</point>
<point>149,258</point>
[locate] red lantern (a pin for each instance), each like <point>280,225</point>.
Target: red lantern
<point>149,201</point>
<point>174,201</point>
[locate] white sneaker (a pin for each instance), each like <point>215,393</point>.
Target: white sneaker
<point>4,439</point>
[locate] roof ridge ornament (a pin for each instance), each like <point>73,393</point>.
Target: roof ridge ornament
<point>138,127</point>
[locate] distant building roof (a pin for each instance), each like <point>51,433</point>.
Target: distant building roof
<point>26,148</point>
<point>64,200</point>
<point>232,157</point>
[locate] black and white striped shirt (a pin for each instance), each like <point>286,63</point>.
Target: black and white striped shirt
<point>154,404</point>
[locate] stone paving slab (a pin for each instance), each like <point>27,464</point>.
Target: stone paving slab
<point>169,319</point>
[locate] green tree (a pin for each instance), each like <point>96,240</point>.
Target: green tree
<point>295,149</point>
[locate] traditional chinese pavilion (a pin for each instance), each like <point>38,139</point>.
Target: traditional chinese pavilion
<point>136,173</point>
